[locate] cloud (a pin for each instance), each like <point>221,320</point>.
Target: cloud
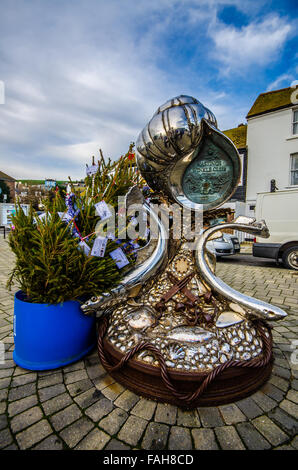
<point>258,43</point>
<point>285,77</point>
<point>84,75</point>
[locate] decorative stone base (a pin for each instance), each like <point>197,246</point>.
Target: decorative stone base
<point>231,385</point>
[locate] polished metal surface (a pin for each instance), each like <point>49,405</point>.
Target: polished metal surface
<point>186,159</point>
<point>255,307</point>
<point>140,273</point>
<point>182,153</point>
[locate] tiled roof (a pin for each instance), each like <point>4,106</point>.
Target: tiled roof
<point>271,101</point>
<point>4,176</point>
<point>237,135</point>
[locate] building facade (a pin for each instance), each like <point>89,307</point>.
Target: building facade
<point>272,145</point>
<point>10,182</point>
<point>238,135</point>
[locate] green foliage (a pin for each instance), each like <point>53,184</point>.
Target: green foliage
<point>50,268</point>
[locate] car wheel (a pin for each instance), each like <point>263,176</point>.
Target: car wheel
<point>290,258</point>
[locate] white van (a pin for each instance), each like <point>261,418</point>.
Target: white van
<point>280,212</point>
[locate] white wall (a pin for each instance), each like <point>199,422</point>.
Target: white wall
<point>270,143</point>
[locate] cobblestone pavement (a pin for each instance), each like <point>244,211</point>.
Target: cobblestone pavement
<point>81,407</point>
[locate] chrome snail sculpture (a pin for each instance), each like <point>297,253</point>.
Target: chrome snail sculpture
<point>182,335</point>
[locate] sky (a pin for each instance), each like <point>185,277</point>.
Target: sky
<point>80,75</point>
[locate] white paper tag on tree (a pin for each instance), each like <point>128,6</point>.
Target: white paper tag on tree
<point>119,257</point>
<point>91,170</point>
<point>134,221</point>
<point>64,216</point>
<point>86,249</point>
<point>102,210</point>
<point>111,236</point>
<point>99,247</point>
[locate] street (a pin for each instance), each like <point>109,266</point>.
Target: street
<point>249,260</point>
<point>81,407</point>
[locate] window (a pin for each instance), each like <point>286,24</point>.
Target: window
<point>295,121</point>
<point>241,155</point>
<point>294,169</point>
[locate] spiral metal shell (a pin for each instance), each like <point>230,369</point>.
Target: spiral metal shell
<point>173,131</point>
<point>183,130</point>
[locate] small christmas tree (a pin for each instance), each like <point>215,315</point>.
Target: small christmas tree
<point>55,259</point>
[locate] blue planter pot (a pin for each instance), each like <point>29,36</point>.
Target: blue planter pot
<point>50,336</point>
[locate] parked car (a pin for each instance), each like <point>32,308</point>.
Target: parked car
<point>279,210</point>
<point>225,246</point>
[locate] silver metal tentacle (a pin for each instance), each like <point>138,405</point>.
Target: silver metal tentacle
<point>255,307</point>
<point>139,274</point>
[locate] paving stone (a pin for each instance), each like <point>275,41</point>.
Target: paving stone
<point>11,447</point>
<point>5,438</point>
<point>155,437</point>
<point>73,434</point>
<point>65,417</point>
<point>273,392</point>
<point>292,395</point>
<point>204,439</point>
<point>294,442</point>
<point>73,367</point>
<point>165,413</point>
<point>45,373</point>
<point>3,421</point>
<point>4,383</point>
<point>270,431</point>
<point>50,380</point>
<point>26,439</point>
<point>113,391</point>
<point>210,417</point>
<point>23,379</point>
<point>228,438</point>
<point>50,392</point>
<point>180,439</point>
<point>127,400</point>
<point>5,373</point>
<point>280,361</point>
<point>290,407</point>
<point>99,409</point>
<point>231,414</point>
<point>95,440</point>
<point>249,407</point>
<point>281,372</point>
<point>284,421</point>
<point>75,376</point>
<point>22,392</point>
<point>188,418</point>
<point>102,382</point>
<point>252,439</point>
<point>284,447</point>
<point>3,395</point>
<point>294,384</point>
<point>132,430</point>
<point>264,402</point>
<point>50,443</point>
<point>279,382</point>
<point>56,404</point>
<point>114,444</point>
<point>87,398</point>
<point>96,370</point>
<point>21,405</point>
<point>79,387</point>
<point>93,360</point>
<point>25,419</point>
<point>112,423</point>
<point>144,409</point>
